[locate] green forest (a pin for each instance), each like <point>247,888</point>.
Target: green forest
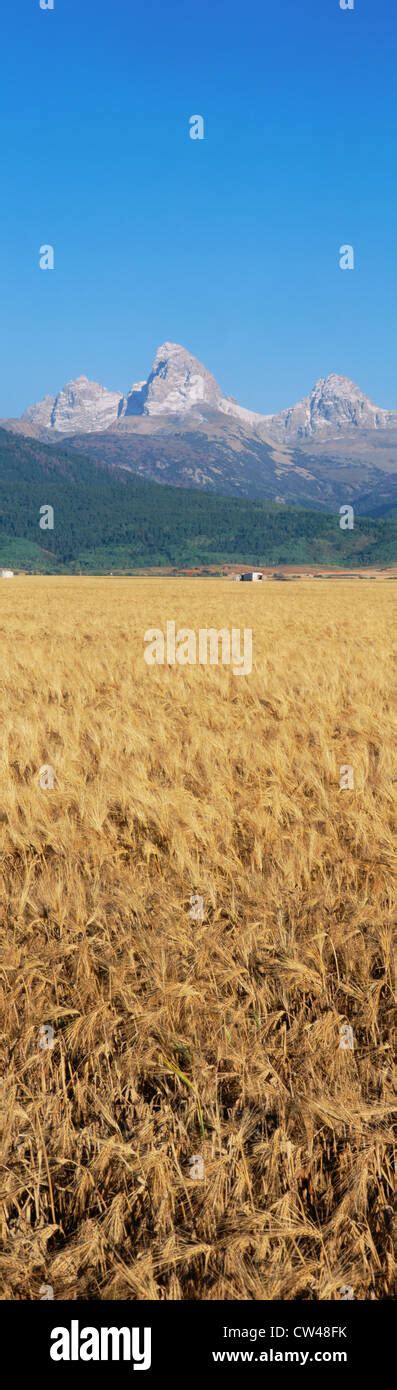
<point>107,520</point>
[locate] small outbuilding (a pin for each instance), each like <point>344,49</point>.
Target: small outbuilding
<point>7,574</point>
<point>252,575</point>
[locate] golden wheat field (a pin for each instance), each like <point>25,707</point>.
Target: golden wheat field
<point>179,1034</point>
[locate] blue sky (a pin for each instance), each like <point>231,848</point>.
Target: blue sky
<point>228,245</point>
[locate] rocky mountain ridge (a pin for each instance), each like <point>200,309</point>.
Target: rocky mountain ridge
<point>180,386</point>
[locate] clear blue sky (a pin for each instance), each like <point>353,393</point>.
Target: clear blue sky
<point>227,245</point>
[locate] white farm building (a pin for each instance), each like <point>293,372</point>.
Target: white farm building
<point>253,575</point>
<point>7,574</point>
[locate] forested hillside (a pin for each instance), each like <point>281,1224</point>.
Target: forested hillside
<point>113,521</point>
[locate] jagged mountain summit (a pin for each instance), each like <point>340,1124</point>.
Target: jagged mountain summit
<point>180,387</point>
<point>177,427</point>
<point>81,405</point>
<point>334,406</point>
<point>177,383</point>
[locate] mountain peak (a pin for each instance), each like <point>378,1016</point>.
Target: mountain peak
<point>169,349</point>
<point>80,405</point>
<point>337,384</point>
<point>334,406</point>
<point>178,384</point>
